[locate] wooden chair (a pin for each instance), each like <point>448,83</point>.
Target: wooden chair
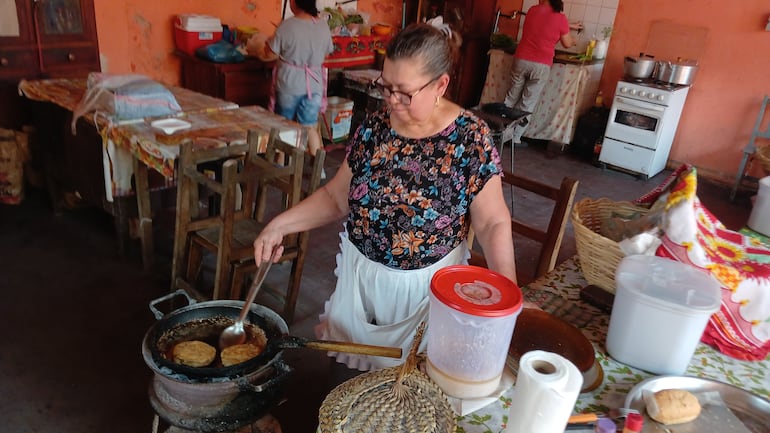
<point>225,232</point>
<point>295,245</point>
<point>552,236</point>
<point>191,215</point>
<point>271,182</point>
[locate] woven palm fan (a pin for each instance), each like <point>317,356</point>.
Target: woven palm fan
<point>396,399</point>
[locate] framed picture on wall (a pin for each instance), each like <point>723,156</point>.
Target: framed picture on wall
<point>61,17</point>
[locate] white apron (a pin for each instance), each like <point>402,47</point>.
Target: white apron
<point>378,305</point>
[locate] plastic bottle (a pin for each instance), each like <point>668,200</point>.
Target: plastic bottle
<point>597,151</point>
<point>605,425</point>
<point>590,49</point>
<point>634,423</point>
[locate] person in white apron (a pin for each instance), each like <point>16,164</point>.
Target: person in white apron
<point>299,79</point>
<point>417,175</point>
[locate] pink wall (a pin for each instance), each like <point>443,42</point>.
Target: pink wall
<point>733,75</point>
<point>135,36</point>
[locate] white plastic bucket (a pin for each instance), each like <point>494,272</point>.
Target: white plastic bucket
<point>759,220</point>
<point>660,310</point>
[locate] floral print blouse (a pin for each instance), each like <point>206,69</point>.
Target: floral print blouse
<point>410,198</point>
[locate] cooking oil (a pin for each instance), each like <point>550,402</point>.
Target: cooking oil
<point>590,49</point>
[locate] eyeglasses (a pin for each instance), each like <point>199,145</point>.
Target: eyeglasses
<point>401,97</point>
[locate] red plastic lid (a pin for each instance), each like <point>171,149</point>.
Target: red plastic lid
<point>477,291</point>
<point>634,422</point>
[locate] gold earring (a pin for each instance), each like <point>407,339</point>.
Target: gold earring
<point>438,98</point>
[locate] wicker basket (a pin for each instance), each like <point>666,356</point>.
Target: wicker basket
<point>599,256</point>
<point>763,156</point>
<point>396,399</point>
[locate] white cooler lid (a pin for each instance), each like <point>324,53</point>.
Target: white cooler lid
<point>198,23</point>
<point>668,282</point>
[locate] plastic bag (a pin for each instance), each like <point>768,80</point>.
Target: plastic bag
<point>220,52</point>
<point>124,97</point>
<point>14,152</point>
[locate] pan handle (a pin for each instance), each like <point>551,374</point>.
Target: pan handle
<point>288,342</point>
<point>159,314</point>
<point>280,372</point>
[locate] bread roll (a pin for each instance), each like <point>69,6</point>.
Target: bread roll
<point>239,353</point>
<point>194,353</point>
<point>672,406</point>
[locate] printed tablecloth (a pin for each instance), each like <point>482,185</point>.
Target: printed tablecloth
<point>555,117</point>
<point>210,118</point>
<point>558,293</point>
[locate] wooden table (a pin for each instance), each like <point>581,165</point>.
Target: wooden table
<point>558,293</point>
<point>130,148</point>
<point>151,148</point>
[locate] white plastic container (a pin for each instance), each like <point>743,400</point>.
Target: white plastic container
<point>472,315</point>
<point>759,220</point>
<point>337,119</point>
<point>660,310</point>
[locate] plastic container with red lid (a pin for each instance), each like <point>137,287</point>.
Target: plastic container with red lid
<point>473,313</point>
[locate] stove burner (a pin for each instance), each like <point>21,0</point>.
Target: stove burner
<point>266,424</point>
<point>634,79</point>
<point>652,82</point>
<point>243,410</point>
<point>250,404</point>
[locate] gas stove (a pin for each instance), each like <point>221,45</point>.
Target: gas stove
<point>653,91</point>
<point>651,82</point>
<point>642,124</point>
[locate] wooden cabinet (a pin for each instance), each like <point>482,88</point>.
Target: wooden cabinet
<point>245,83</point>
<point>474,20</point>
<point>47,38</point>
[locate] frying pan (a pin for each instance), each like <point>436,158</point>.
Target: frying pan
<point>205,321</point>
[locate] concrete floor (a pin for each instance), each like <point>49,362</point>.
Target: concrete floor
<point>74,313</point>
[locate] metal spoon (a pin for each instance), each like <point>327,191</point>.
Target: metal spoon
<point>235,333</point>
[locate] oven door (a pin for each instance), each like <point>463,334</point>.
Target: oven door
<point>636,122</point>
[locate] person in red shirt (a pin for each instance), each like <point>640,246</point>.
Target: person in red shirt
<point>544,27</point>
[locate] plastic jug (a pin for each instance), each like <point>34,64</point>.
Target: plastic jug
<point>472,315</point>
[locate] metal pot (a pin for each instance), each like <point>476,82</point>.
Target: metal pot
<point>679,72</point>
<point>214,402</point>
<point>639,67</point>
<point>205,321</point>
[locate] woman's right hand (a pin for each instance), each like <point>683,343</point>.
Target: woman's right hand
<point>268,245</point>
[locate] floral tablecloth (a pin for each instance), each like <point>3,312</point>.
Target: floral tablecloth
<point>559,294</point>
<point>159,151</point>
<point>555,117</point>
<point>352,51</point>
<point>67,93</point>
<point>210,118</point>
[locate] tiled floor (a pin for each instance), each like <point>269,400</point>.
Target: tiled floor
<point>74,314</point>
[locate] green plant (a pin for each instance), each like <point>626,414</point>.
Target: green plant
<point>606,32</point>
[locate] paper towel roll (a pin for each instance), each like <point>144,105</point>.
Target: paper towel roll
<point>546,389</point>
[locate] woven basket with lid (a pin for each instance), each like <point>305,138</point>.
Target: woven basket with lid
<point>396,399</point>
